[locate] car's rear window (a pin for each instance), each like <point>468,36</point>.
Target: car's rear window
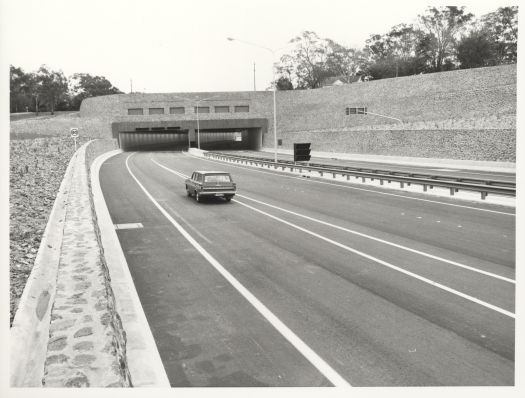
<point>217,178</point>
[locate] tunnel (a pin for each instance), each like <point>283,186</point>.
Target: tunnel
<point>239,134</point>
<point>153,140</point>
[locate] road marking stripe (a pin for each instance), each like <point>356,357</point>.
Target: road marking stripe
<point>409,273</point>
<point>382,240</point>
<point>287,333</point>
<point>386,264</point>
<point>490,274</point>
<point>334,183</point>
<point>129,226</point>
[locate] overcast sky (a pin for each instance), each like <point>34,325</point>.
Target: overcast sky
<point>172,45</point>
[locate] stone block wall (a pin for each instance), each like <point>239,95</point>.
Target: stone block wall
<point>465,144</point>
<point>462,100</point>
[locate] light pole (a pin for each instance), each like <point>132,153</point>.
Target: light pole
<point>198,128</point>
<point>273,86</point>
<point>198,101</point>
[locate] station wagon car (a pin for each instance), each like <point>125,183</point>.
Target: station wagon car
<point>210,184</point>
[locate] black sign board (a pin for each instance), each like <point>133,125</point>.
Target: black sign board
<point>301,152</point>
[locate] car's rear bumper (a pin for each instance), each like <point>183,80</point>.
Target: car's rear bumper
<point>216,193</point>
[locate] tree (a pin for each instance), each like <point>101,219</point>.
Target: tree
<point>395,53</point>
<point>314,59</point>
<point>443,25</point>
<point>502,28</point>
<point>343,61</point>
<point>309,58</point>
<point>19,96</point>
<point>284,83</point>
<point>51,86</point>
<point>476,50</point>
<point>83,85</point>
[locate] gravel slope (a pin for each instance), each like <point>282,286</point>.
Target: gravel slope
<point>40,150</point>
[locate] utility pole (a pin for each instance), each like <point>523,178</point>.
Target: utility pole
<point>131,84</point>
<point>254,89</point>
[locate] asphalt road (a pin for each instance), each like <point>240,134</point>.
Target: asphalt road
<point>300,282</point>
<point>438,169</point>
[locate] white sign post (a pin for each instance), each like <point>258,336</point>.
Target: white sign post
<point>74,135</point>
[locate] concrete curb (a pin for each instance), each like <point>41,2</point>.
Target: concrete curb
<point>29,333</point>
<point>504,167</point>
<point>143,359</point>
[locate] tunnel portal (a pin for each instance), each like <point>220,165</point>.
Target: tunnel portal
<point>235,134</point>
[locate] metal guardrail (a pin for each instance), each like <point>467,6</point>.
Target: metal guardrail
<point>428,181</point>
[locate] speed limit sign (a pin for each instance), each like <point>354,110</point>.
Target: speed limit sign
<point>74,135</point>
<point>74,132</point>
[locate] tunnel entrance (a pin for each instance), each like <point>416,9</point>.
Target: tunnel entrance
<point>153,140</point>
<point>216,134</point>
<point>230,139</point>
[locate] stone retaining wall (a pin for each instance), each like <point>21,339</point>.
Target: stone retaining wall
<point>481,144</point>
<point>86,345</point>
<point>477,104</point>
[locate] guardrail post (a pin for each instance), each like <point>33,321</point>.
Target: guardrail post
<point>452,191</point>
<point>347,177</point>
<point>483,195</point>
<point>333,175</point>
<point>401,184</point>
<point>424,187</point>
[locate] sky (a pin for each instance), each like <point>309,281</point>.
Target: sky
<point>181,46</point>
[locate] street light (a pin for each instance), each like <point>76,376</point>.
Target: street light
<point>274,89</point>
<point>197,107</point>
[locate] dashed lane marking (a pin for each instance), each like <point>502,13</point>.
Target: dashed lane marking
<point>129,226</point>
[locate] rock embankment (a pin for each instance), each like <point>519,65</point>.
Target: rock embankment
<point>40,150</point>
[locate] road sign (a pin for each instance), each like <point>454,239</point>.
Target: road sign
<point>301,152</point>
<point>74,132</point>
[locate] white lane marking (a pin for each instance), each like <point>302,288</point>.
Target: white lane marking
<point>386,264</point>
<point>279,173</point>
<point>381,240</point>
<point>323,367</point>
<point>490,274</point>
<point>129,225</point>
